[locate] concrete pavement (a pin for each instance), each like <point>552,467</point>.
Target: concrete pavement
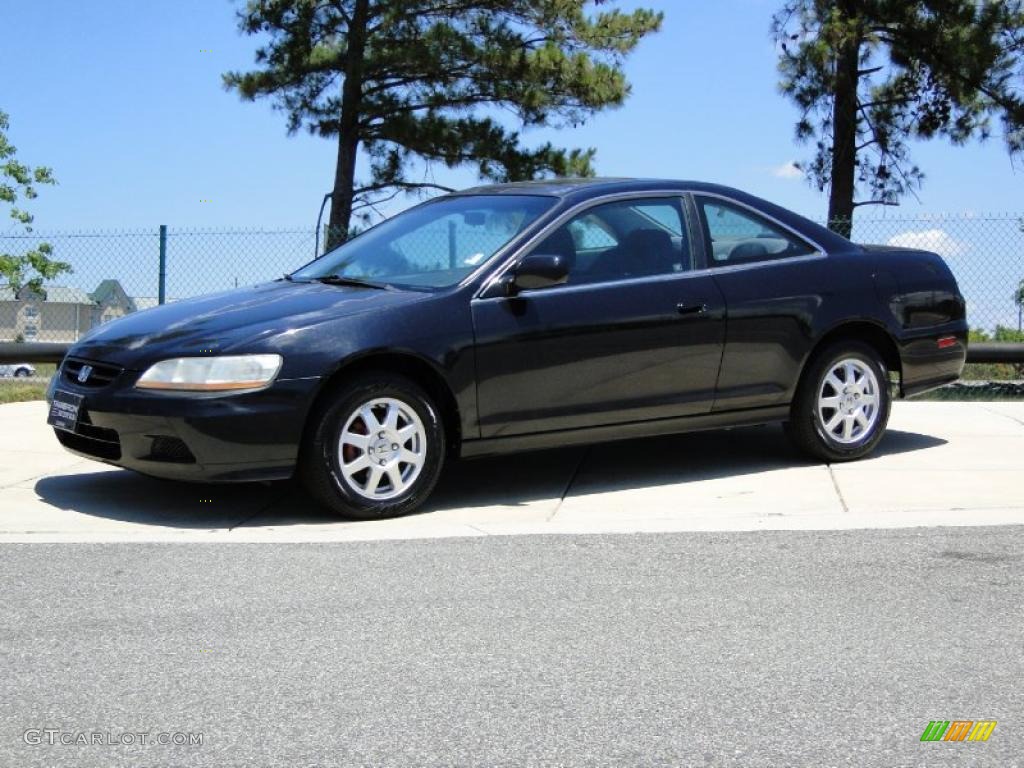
<point>941,464</point>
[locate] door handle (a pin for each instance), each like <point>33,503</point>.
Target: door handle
<point>692,308</point>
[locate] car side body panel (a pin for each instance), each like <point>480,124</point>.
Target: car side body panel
<point>776,312</point>
<point>593,355</point>
<point>779,312</point>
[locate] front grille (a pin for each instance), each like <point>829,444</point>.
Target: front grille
<point>92,441</point>
<point>85,428</point>
<point>170,449</point>
<point>101,374</point>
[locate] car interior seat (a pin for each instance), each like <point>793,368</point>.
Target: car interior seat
<point>642,253</point>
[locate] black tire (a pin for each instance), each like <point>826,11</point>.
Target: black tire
<point>320,456</point>
<point>805,427</point>
<point>21,373</point>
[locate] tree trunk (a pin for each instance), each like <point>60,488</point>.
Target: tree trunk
<point>348,128</point>
<point>844,138</point>
<point>344,181</point>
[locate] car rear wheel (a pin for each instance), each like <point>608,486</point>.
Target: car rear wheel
<point>374,449</point>
<point>842,404</point>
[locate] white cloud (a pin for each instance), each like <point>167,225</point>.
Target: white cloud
<point>787,171</point>
<point>936,240</point>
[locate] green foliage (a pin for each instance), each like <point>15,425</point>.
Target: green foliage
<point>1002,333</point>
<point>870,76</point>
<point>1009,334</point>
<point>438,82</point>
<point>19,181</point>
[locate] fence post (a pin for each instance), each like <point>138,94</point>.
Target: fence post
<point>162,288</point>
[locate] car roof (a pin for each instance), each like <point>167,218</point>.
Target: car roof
<point>585,187</point>
<point>573,191</point>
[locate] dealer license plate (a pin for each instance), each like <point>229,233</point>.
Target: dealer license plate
<point>64,410</point>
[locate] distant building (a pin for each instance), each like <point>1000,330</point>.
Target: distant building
<point>61,313</point>
<point>147,302</point>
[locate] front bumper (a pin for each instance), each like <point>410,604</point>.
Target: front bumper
<point>220,438</point>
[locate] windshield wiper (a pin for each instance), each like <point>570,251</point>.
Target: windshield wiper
<point>353,281</point>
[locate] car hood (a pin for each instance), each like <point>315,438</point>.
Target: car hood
<point>232,320</point>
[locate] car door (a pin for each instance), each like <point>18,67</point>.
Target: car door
<point>635,334</point>
<point>775,283</point>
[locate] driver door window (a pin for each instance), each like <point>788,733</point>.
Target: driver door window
<point>736,235</point>
<point>622,240</point>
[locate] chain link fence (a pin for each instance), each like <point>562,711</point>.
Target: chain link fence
<point>115,273</point>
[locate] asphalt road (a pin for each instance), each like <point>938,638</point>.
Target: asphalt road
<point>706,649</point>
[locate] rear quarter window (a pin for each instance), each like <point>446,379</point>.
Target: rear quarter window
<point>737,235</point>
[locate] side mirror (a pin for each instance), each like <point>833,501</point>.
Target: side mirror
<point>539,271</point>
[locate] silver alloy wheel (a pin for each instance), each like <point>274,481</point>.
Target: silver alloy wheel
<point>849,401</point>
<point>382,448</point>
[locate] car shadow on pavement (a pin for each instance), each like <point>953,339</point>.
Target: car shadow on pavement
<point>502,482</point>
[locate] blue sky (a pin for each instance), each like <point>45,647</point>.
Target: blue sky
<point>121,98</point>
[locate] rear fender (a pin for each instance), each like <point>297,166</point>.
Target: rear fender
<point>928,313</point>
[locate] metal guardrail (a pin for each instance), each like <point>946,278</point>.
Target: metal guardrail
<point>995,352</point>
<point>32,352</point>
<point>40,352</point>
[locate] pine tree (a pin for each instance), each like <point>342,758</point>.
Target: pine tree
<point>870,76</point>
<point>416,83</point>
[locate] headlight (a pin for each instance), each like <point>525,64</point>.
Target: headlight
<point>212,374</point>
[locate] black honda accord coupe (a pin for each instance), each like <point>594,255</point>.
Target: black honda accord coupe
<point>516,317</point>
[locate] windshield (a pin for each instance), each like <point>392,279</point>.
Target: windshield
<point>433,245</point>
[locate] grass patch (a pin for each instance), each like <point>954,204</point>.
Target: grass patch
<point>11,392</point>
<point>45,370</point>
<point>992,372</point>
<point>16,390</point>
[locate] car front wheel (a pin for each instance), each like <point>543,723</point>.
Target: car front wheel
<point>842,404</point>
<point>22,373</point>
<point>374,449</point>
